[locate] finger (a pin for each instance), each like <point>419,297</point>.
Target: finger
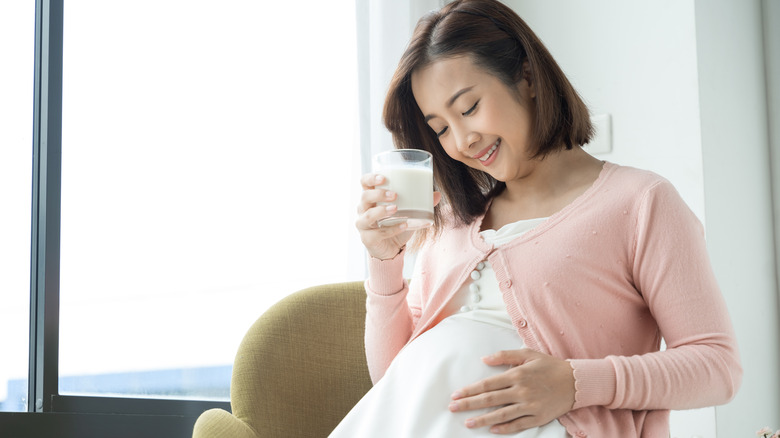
<point>371,180</point>
<point>489,399</point>
<point>374,196</point>
<point>515,426</point>
<point>370,218</point>
<point>494,383</point>
<point>509,357</point>
<point>370,198</point>
<point>381,233</point>
<point>503,419</point>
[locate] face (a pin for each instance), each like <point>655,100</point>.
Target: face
<point>478,119</point>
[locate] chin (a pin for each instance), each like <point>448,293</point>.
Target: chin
<point>497,176</point>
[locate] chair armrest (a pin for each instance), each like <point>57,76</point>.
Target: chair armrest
<point>299,369</point>
<point>218,423</point>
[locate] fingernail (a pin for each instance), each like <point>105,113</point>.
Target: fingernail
<point>470,423</point>
<point>389,195</point>
<point>403,226</point>
<point>454,407</point>
<point>378,179</point>
<point>456,395</point>
<point>391,207</point>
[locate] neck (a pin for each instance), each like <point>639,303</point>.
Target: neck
<point>556,174</point>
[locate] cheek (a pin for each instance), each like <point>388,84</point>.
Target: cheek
<point>507,113</point>
<point>516,126</point>
<point>449,148</point>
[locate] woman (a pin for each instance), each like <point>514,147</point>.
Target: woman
<point>540,298</point>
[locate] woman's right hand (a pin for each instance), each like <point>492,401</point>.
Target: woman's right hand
<point>381,242</point>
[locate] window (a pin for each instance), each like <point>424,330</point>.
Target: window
<point>209,167</point>
<point>17,21</point>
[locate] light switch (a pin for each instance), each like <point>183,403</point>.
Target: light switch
<point>602,141</point>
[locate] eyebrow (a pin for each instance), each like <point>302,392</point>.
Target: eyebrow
<point>451,101</point>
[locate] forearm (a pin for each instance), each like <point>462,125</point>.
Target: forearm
<point>704,372</point>
<point>389,320</point>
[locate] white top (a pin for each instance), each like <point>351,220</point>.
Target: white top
<point>481,299</point>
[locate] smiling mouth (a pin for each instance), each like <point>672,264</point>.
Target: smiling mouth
<point>484,157</point>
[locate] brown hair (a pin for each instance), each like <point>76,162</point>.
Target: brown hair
<point>495,38</point>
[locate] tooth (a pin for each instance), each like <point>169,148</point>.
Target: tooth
<point>490,152</point>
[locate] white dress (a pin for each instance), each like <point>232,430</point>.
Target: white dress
<point>412,398</point>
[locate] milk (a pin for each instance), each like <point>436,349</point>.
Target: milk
<point>414,186</point>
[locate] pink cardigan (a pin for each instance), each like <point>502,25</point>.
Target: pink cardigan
<point>599,283</point>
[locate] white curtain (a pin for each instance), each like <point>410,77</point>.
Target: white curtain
<point>383,31</point>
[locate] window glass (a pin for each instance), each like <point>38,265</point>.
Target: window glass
<point>17,47</point>
<point>210,168</point>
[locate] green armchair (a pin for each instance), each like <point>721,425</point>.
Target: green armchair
<point>300,368</point>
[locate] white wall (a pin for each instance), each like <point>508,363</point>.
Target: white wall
<point>771,17</point>
<point>734,126</point>
<point>636,62</point>
<point>684,84</point>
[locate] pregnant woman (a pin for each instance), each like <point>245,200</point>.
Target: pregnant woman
<point>540,297</point>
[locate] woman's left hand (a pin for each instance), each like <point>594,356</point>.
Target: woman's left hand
<point>536,390</point>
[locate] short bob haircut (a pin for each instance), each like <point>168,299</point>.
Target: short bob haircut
<point>496,39</point>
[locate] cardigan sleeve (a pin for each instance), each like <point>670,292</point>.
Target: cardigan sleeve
<point>671,269</point>
<point>390,318</point>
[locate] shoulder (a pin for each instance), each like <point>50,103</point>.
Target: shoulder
<point>624,192</point>
<point>651,198</point>
<point>632,177</point>
<point>636,186</point>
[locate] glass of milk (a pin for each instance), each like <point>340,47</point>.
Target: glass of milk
<point>409,173</point>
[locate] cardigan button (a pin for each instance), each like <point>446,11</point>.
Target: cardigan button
<point>581,434</point>
<point>523,323</point>
<point>507,284</point>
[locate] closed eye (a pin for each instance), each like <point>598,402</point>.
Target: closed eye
<point>471,110</point>
<point>468,112</point>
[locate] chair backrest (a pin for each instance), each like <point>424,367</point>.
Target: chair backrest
<point>302,367</point>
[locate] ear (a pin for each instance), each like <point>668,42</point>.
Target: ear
<point>528,78</point>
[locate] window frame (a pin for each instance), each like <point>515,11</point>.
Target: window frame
<point>49,413</point>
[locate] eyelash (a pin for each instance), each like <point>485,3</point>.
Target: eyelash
<point>471,110</point>
<point>467,113</point>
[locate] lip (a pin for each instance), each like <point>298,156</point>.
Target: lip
<point>485,151</point>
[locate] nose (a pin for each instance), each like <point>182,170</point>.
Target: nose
<point>466,139</point>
